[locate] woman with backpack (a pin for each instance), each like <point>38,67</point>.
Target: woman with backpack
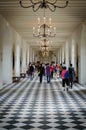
<point>65,78</point>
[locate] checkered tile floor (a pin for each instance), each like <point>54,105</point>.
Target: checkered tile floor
<point>29,105</point>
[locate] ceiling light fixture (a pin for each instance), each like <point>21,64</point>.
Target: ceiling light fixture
<point>45,47</point>
<point>44,30</point>
<point>43,4</point>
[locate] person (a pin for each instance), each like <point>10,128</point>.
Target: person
<point>72,75</point>
<point>31,71</point>
<point>28,73</point>
<point>65,78</point>
<point>51,70</point>
<point>55,70</point>
<point>48,73</point>
<point>60,69</point>
<point>41,72</point>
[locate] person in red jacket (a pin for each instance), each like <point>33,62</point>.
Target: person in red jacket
<point>65,78</point>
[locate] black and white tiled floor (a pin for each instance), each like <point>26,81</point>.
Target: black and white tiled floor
<point>29,105</point>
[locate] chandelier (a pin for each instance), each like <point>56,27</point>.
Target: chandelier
<point>43,4</point>
<point>44,30</point>
<point>44,47</point>
<point>45,50</point>
<point>45,53</point>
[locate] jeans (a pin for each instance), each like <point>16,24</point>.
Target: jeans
<point>48,78</point>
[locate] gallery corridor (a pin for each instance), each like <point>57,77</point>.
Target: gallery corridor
<point>34,34</point>
<point>29,105</point>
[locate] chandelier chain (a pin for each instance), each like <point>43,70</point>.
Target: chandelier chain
<point>43,4</point>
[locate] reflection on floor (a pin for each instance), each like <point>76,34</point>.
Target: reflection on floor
<point>29,105</point>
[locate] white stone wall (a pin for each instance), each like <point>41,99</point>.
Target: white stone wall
<point>1,28</point>
<point>6,51</point>
<point>7,55</point>
<point>78,43</point>
<point>9,38</point>
<point>24,50</point>
<point>83,56</point>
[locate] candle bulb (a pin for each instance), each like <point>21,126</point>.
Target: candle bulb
<point>38,31</point>
<point>38,21</point>
<point>33,30</point>
<point>44,20</point>
<point>50,21</point>
<point>55,30</point>
<point>48,31</point>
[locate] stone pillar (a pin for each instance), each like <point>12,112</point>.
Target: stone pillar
<point>67,54</point>
<point>82,57</point>
<point>60,56</point>
<point>17,54</point>
<point>72,53</point>
<point>55,58</point>
<point>63,54</point>
<point>0,54</point>
<point>7,54</point>
<point>36,56</point>
<point>33,56</point>
<point>0,65</point>
<point>28,55</point>
<point>73,57</point>
<point>24,49</point>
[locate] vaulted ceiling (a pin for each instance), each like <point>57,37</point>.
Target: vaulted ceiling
<point>65,20</point>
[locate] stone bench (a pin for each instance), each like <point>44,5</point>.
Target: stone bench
<point>22,75</point>
<point>15,79</point>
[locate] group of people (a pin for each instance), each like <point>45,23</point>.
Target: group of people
<point>47,70</point>
<point>44,70</point>
<point>68,76</point>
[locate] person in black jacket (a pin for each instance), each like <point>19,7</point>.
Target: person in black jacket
<point>41,72</point>
<point>31,71</point>
<point>72,75</point>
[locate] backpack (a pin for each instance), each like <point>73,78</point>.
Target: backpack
<point>67,75</point>
<point>71,71</point>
